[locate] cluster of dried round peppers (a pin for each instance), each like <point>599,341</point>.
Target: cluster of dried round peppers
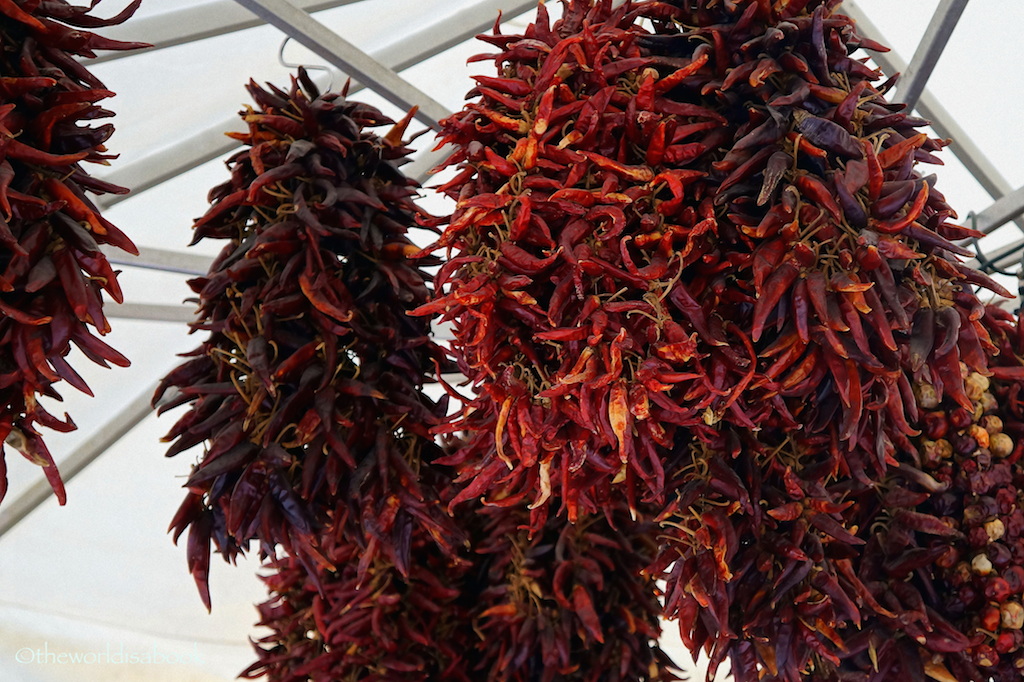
<point>52,271</point>
<point>717,332</point>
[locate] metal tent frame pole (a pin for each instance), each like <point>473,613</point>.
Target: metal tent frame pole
<point>153,312</point>
<point>934,41</point>
<point>1002,211</point>
<point>973,158</point>
<point>324,42</point>
<point>942,121</point>
<point>294,20</point>
<point>1009,203</point>
<point>164,260</point>
<point>190,24</point>
<point>188,153</point>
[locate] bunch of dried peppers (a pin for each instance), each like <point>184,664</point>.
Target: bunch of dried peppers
<point>717,331</point>
<point>559,290</point>
<point>52,271</point>
<point>569,603</point>
<point>563,605</point>
<point>306,392</point>
<point>697,269</point>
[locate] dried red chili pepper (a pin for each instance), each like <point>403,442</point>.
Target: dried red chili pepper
<point>51,269</point>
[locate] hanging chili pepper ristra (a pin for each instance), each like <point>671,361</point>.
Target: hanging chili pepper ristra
<point>838,262</point>
<point>819,298</point>
<point>575,218</point>
<point>52,271</point>
<point>562,324</point>
<point>307,392</point>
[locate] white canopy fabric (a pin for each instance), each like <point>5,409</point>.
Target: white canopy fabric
<point>95,591</point>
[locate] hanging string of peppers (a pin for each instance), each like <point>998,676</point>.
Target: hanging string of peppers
<point>556,321</point>
<point>720,233</point>
<point>52,271</point>
<point>808,543</point>
<point>306,392</point>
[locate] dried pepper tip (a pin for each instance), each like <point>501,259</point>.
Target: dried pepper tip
<point>53,271</point>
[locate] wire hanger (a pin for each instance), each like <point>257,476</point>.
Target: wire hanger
<point>983,261</point>
<point>308,67</point>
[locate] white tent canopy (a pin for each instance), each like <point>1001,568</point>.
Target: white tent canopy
<point>98,581</point>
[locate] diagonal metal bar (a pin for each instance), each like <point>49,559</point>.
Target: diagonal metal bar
<point>189,24</point>
<point>180,314</point>
<point>406,50</point>
<point>162,165</point>
<point>302,27</point>
<point>163,260</point>
<point>944,123</point>
<point>940,28</point>
<point>152,312</point>
<point>1004,210</point>
<point>13,511</point>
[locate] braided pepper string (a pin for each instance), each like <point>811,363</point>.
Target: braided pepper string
<point>838,261</point>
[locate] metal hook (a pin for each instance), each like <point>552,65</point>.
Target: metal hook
<point>288,65</point>
<point>983,261</point>
<point>1020,287</point>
